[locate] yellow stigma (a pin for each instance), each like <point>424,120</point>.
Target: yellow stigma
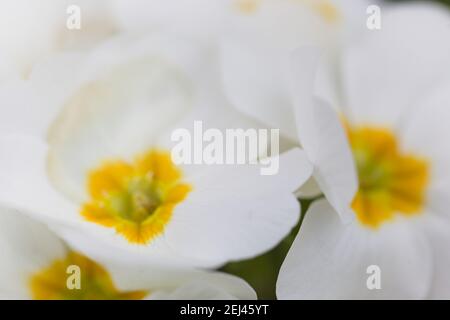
<point>136,199</point>
<point>95,283</point>
<point>390,181</point>
<point>247,6</point>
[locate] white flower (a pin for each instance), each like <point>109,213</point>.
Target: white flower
<point>36,264</point>
<point>256,40</point>
<point>256,55</point>
<point>32,30</point>
<point>396,116</point>
<point>88,149</point>
<point>304,21</point>
<point>256,51</point>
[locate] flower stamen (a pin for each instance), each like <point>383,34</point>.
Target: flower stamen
<point>136,199</point>
<point>391,182</point>
<point>95,282</point>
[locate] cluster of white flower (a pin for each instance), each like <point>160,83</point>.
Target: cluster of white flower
<point>88,186</point>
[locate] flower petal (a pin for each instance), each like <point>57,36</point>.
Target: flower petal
<point>257,91</point>
<point>256,49</point>
<point>329,260</point>
<point>30,32</point>
<point>23,180</point>
<point>25,246</point>
<point>197,18</point>
<point>322,136</point>
<point>233,212</point>
<point>421,132</point>
<point>385,73</point>
<point>438,233</point>
<point>208,286</point>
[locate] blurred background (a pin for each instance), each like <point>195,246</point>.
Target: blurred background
<point>262,272</point>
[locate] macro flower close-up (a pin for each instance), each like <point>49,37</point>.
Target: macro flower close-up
<point>224,150</point>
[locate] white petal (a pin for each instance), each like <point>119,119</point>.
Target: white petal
<point>97,23</point>
<point>208,286</point>
<point>329,260</point>
<point>322,136</point>
<point>30,32</point>
<point>255,58</point>
<point>283,25</point>
<point>254,79</point>
<point>233,212</point>
<point>23,180</point>
<point>25,248</point>
<point>257,46</point>
<point>197,18</point>
<point>30,106</point>
<point>422,133</point>
<point>104,244</point>
<point>386,73</point>
<point>439,233</point>
<point>213,111</point>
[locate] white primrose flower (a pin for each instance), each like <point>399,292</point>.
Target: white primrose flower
<point>256,40</point>
<point>256,55</point>
<point>86,147</point>
<point>292,20</point>
<point>257,46</point>
<point>395,115</point>
<point>36,264</point>
<point>32,30</point>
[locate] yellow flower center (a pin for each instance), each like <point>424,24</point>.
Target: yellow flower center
<point>54,283</point>
<point>324,8</point>
<point>136,199</point>
<point>247,6</point>
<point>390,181</point>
